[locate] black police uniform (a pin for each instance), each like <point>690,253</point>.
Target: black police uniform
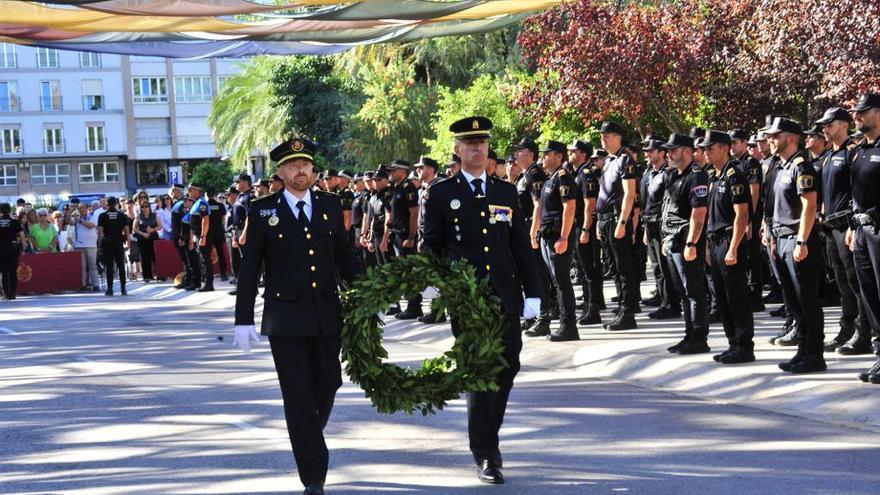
<point>772,163</point>
<point>179,238</point>
<point>750,168</point>
<point>652,189</point>
<point>458,226</point>
<point>685,191</point>
<point>559,189</point>
<point>216,238</point>
<point>239,215</point>
<point>378,205</point>
<point>837,187</point>
<point>201,209</point>
<point>865,223</point>
<point>358,208</point>
<point>608,206</point>
<point>404,196</point>
<point>113,224</point>
<point>10,249</point>
<point>589,256</point>
<point>528,190</point>
<point>303,258</point>
<point>728,188</point>
<point>800,281</point>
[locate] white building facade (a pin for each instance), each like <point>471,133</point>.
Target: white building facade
<point>74,123</point>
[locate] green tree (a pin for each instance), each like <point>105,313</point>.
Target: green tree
<point>216,175</point>
<point>245,116</point>
<point>488,96</point>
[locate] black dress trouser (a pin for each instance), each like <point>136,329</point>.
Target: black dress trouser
<point>623,255</point>
<point>689,278</point>
<point>732,291</point>
<point>113,253</point>
<point>842,262</point>
<point>589,257</point>
<point>665,288</point>
<point>309,374</point>
<point>414,303</point>
<point>800,280</point>
<point>866,255</point>
<point>559,266</point>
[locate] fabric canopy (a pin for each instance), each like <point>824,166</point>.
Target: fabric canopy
<point>224,28</point>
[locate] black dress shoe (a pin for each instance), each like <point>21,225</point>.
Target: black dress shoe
<point>623,322</point>
<point>717,357</point>
<point>207,288</point>
<point>652,301</point>
<point>431,318</point>
<point>393,310</point>
<point>123,291</point>
<point>590,318</point>
<point>859,343</point>
<point>842,337</point>
<point>527,324</point>
<point>314,489</point>
<point>694,347</point>
<point>540,329</point>
<point>409,314</point>
<point>488,472</point>
<point>664,313</point>
<point>191,288</point>
<point>738,355</point>
<point>786,365</point>
<point>564,335</point>
<point>674,349</point>
<point>809,365</point>
<point>865,376</point>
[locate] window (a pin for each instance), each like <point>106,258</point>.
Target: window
<point>87,59</point>
<point>47,57</point>
<point>149,90</point>
<point>93,94</point>
<point>221,81</point>
<point>50,173</point>
<point>9,101</point>
<point>8,58</point>
<point>50,96</point>
<point>192,89</point>
<point>11,140</point>
<point>152,132</point>
<point>95,138</point>
<point>53,140</point>
<point>8,175</point>
<point>99,172</point>
<point>152,173</point>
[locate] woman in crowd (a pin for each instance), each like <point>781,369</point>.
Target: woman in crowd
<point>129,207</point>
<point>163,211</point>
<point>44,235</point>
<point>146,228</point>
<point>65,231</point>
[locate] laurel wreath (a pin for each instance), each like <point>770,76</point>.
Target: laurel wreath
<point>471,365</point>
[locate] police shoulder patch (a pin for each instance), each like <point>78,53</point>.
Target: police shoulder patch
<point>563,190</point>
<point>737,189</point>
<point>805,181</point>
<point>701,191</point>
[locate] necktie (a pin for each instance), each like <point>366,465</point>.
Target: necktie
<point>478,188</point>
<point>303,219</point>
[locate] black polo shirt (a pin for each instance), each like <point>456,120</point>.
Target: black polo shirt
<point>587,181</point>
<point>113,223</point>
<point>215,217</point>
<point>528,189</point>
<point>651,193</point>
<point>836,185</point>
<point>772,164</point>
<point>558,189</point>
<point>729,188</point>
<point>9,230</point>
<point>683,192</point>
<point>616,170</point>
<point>866,177</point>
<point>403,197</point>
<point>794,178</point>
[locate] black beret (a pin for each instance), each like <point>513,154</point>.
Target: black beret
<point>610,126</point>
<point>292,149</point>
<point>471,128</point>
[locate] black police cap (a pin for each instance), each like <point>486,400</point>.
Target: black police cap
<point>581,145</point>
<point>653,144</point>
<point>455,159</point>
<point>835,113</point>
<point>816,131</point>
<point>345,174</point>
<point>369,174</point>
<point>611,127</point>
<point>293,149</point>
<point>768,121</point>
<point>276,178</point>
<point>678,140</point>
<point>783,124</point>
<point>471,128</point>
<point>381,173</point>
<point>264,182</point>
<point>426,161</point>
<point>554,146</point>
<point>714,137</point>
<point>599,153</point>
<point>697,132</point>
<point>330,173</point>
<point>739,134</point>
<point>527,143</point>
<point>244,177</point>
<point>399,165</point>
<point>177,185</point>
<point>867,102</point>
<point>197,185</point>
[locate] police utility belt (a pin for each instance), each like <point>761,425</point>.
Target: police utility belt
<point>838,221</point>
<point>551,230</point>
<point>784,231</point>
<point>870,217</point>
<point>720,235</point>
<point>608,217</point>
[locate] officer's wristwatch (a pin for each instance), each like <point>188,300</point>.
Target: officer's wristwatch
<point>800,243</point>
<point>623,222</point>
<point>690,244</point>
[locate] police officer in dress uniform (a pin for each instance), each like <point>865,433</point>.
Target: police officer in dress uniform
<point>587,250</point>
<point>529,195</point>
<point>652,188</point>
<point>11,242</point>
<point>750,167</point>
<point>836,211</point>
<point>402,225</point>
<point>113,237</point>
<point>726,228</point>
<point>864,234</point>
<point>685,200</point>
<point>477,218</point>
<point>300,235</point>
<point>557,235</point>
<point>618,189</point>
<point>797,243</point>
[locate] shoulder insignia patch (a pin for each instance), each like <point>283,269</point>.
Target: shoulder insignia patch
<point>563,190</point>
<point>805,181</point>
<point>562,172</point>
<point>701,191</point>
<point>737,189</point>
<point>731,171</point>
<point>852,146</point>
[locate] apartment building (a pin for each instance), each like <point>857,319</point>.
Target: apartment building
<point>87,123</point>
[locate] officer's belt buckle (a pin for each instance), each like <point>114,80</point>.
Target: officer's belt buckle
<point>862,219</point>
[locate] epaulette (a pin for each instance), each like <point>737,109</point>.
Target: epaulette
<point>696,168</point>
<point>852,146</point>
<point>444,180</point>
<point>731,172</point>
<point>325,193</point>
<point>798,161</point>
<point>534,170</point>
<point>562,171</point>
<point>266,198</point>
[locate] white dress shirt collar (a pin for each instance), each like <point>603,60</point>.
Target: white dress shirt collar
<point>469,178</point>
<point>293,200</point>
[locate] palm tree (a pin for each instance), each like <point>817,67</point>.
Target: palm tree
<point>245,117</point>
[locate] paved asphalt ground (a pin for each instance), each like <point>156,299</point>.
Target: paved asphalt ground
<point>127,396</point>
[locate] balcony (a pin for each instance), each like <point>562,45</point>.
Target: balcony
<point>10,104</point>
<point>93,103</point>
<point>153,140</point>
<point>8,61</point>
<point>50,103</point>
<point>201,139</point>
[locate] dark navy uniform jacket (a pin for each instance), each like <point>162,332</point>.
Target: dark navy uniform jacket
<point>490,233</point>
<point>301,294</point>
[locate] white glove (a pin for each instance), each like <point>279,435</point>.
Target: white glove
<point>531,307</point>
<point>430,293</point>
<point>243,336</point>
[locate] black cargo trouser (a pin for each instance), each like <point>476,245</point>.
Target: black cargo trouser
<point>732,290</point>
<point>801,281</point>
<point>559,266</point>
